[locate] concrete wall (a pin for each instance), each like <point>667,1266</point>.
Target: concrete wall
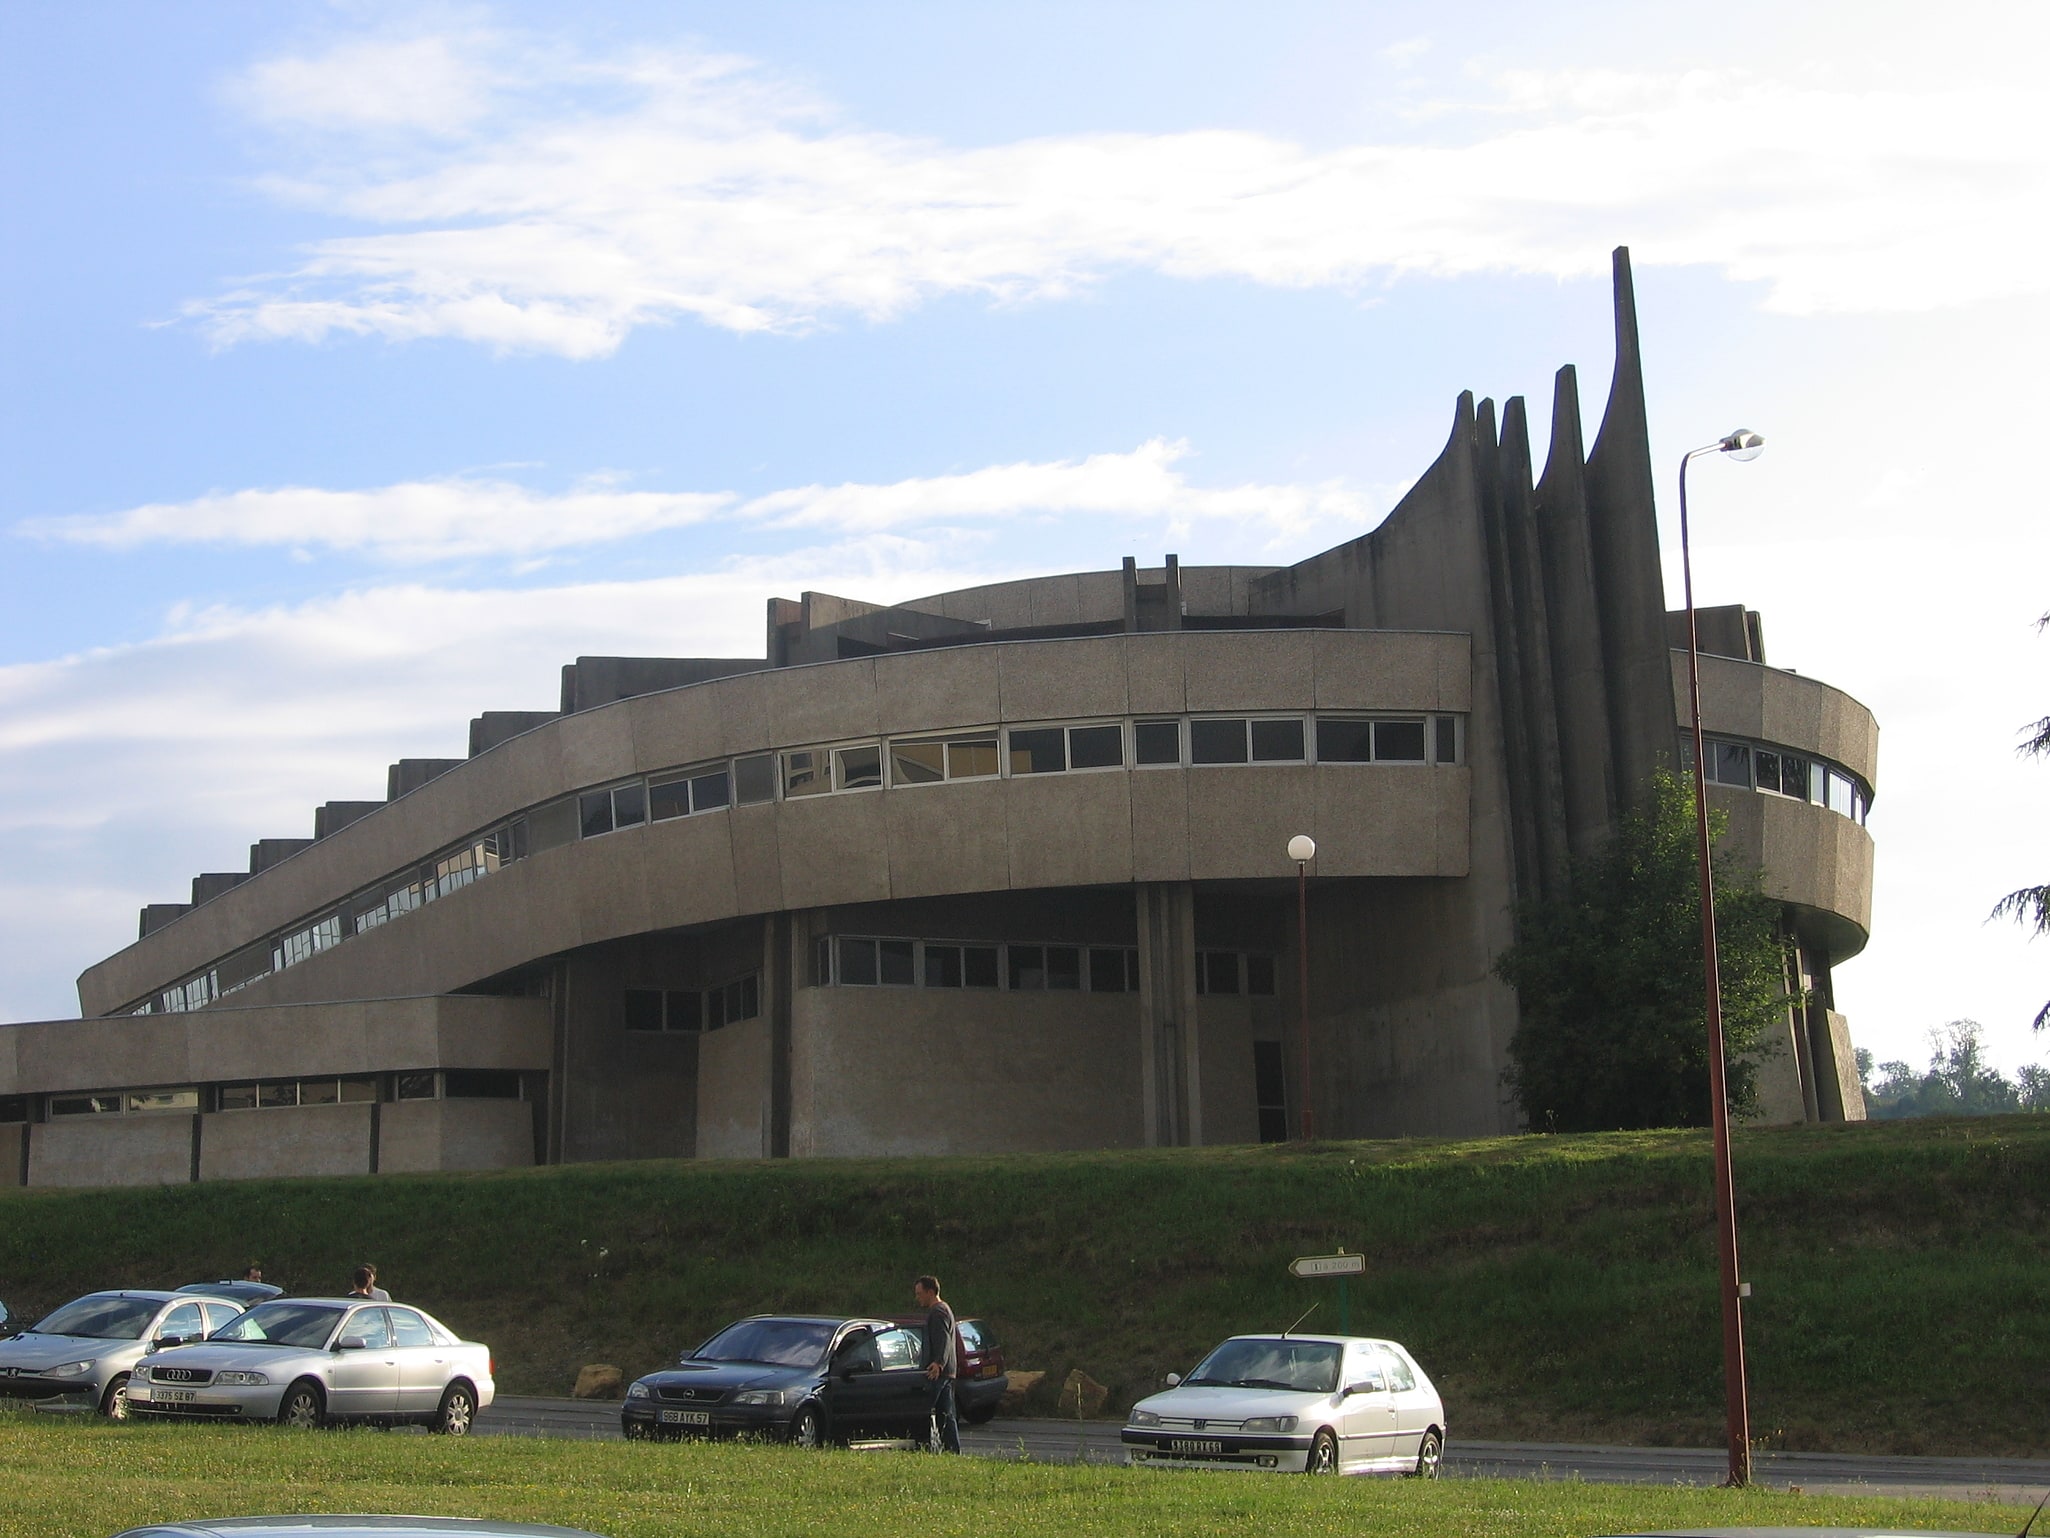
<point>633,1094</point>
<point>112,1151</point>
<point>302,1140</point>
<point>421,1135</point>
<point>734,1092</point>
<point>13,1144</point>
<point>1749,699</point>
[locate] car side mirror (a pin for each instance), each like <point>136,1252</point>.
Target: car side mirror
<point>165,1342</point>
<point>350,1343</point>
<point>1174,1380</point>
<point>1361,1388</point>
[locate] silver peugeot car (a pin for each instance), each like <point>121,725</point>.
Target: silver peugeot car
<point>308,1361</point>
<point>87,1350</point>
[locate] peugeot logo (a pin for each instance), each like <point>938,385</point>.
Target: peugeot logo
<point>1201,1424</point>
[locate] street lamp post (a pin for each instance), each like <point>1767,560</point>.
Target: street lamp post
<point>1740,445</point>
<point>1302,849</point>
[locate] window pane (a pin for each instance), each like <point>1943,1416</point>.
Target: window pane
<point>358,1091</point>
<point>596,809</point>
<point>1218,971</point>
<point>1278,741</point>
<point>482,1084</point>
<point>1063,966</point>
<point>283,1094</point>
<point>1260,976</point>
<point>749,995</point>
<point>1028,966</point>
<point>1767,768</point>
<point>552,825</point>
<point>858,962</point>
<point>238,1097</point>
<point>415,1086</point>
<point>629,805</point>
<point>643,1009</point>
<point>669,798</point>
<point>979,966</point>
<point>715,1008</point>
<point>1106,971</point>
<point>1448,739</point>
<point>1041,750</point>
<point>754,779</point>
<point>860,767</point>
<point>917,763</point>
<point>1096,747</point>
<point>320,1092</point>
<point>1839,793</point>
<point>709,792</point>
<point>895,962</point>
<point>1344,742</point>
<point>1398,742</point>
<point>1818,784</point>
<point>821,962</point>
<point>943,966</point>
<point>164,1100</point>
<point>971,758</point>
<point>1217,742</point>
<point>1730,764</point>
<point>805,773</point>
<point>1157,742</point>
<point>682,1009</point>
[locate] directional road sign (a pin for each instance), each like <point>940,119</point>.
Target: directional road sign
<point>1329,1265</point>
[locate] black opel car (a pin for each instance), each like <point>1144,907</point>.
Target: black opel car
<point>802,1378</point>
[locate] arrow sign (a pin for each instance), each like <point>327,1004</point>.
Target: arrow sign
<point>1328,1265</point>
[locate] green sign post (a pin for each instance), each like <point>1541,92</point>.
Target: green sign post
<point>1342,1266</point>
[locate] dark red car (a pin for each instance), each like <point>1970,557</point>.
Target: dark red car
<point>982,1383</point>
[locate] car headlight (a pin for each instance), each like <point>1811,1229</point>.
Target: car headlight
<point>768,1396</point>
<point>1145,1418</point>
<point>639,1391</point>
<point>1269,1423</point>
<point>70,1369</point>
<point>239,1379</point>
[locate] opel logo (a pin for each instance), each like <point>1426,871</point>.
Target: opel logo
<point>1201,1424</point>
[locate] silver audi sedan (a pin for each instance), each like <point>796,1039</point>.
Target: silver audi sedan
<point>309,1361</point>
<point>86,1351</point>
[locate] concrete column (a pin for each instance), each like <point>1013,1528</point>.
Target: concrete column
<point>1170,1076</point>
<point>779,971</point>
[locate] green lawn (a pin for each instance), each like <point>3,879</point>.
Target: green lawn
<point>73,1478</point>
<point>1558,1288</point>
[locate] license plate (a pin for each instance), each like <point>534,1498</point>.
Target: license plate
<point>1191,1445</point>
<point>989,1369</point>
<point>173,1395</point>
<point>686,1417</point>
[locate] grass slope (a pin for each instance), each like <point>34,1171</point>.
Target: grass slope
<point>87,1480</point>
<point>1558,1288</point>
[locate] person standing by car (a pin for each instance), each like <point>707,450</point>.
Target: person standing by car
<point>942,1363</point>
<point>363,1284</point>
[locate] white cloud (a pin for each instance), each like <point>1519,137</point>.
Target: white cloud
<point>602,195</point>
<point>435,520</point>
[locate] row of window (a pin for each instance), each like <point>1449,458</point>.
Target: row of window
<point>1752,766</point>
<point>984,753</point>
<point>858,961</point>
<point>691,1009</point>
<point>270,1094</point>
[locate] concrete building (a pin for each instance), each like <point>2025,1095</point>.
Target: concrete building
<point>997,869</point>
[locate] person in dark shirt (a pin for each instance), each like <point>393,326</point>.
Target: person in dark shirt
<point>942,1361</point>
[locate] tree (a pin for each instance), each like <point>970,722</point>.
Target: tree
<point>1958,1082</point>
<point>1615,1029</point>
<point>2030,906</point>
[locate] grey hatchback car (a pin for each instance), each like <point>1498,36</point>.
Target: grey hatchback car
<point>86,1350</point>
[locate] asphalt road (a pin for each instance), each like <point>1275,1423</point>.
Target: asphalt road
<point>1051,1441</point>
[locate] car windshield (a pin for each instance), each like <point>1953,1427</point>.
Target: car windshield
<point>307,1325</point>
<point>777,1342</point>
<point>1305,1366</point>
<point>103,1316</point>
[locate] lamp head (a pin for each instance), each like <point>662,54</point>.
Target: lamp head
<point>1743,444</point>
<point>1302,849</point>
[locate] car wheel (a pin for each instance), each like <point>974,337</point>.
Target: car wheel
<point>807,1430</point>
<point>457,1410</point>
<point>304,1407</point>
<point>981,1416</point>
<point>114,1403</point>
<point>1323,1457</point>
<point>1429,1454</point>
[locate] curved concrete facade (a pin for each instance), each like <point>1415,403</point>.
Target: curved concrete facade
<point>996,869</point>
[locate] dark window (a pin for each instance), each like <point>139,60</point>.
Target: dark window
<point>13,1108</point>
<point>754,779</point>
<point>1042,750</point>
<point>1028,966</point>
<point>943,966</point>
<point>1344,742</point>
<point>596,810</point>
<point>1398,742</point>
<point>858,962</point>
<point>629,805</point>
<point>918,763</point>
<point>1260,976</point>
<point>238,1097</point>
<point>979,966</point>
<point>1217,742</point>
<point>709,792</point>
<point>1157,742</point>
<point>1096,747</point>
<point>518,834</point>
<point>1767,767</point>
<point>1731,764</point>
<point>1108,971</point>
<point>319,1092</point>
<point>643,1009</point>
<point>1217,972</point>
<point>743,998</point>
<point>481,1084</point>
<point>715,1009</point>
<point>860,768</point>
<point>287,1093</point>
<point>671,798</point>
<point>682,1009</point>
<point>1270,1093</point>
<point>806,773</point>
<point>358,1091</point>
<point>1448,739</point>
<point>895,963</point>
<point>1278,741</point>
<point>413,1086</point>
<point>84,1105</point>
<point>1063,966</point>
<point>822,961</point>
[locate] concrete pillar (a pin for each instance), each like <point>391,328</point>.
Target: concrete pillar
<point>1171,1089</point>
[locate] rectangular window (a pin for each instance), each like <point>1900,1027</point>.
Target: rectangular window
<point>682,1010</point>
<point>1276,742</point>
<point>743,998</point>
<point>358,1091</point>
<point>710,792</point>
<point>715,1009</point>
<point>643,1009</point>
<point>594,813</point>
<point>454,870</point>
<point>943,966</point>
<point>918,763</point>
<point>278,1094</point>
<point>1217,972</point>
<point>1839,793</point>
<point>858,963</point>
<point>806,773</point>
<point>238,1097</point>
<point>668,799</point>
<point>1064,967</point>
<point>245,966</point>
<point>972,758</point>
<point>859,768</point>
<point>1398,742</point>
<point>1157,742</point>
<point>1447,730</point>
<point>84,1105</point>
<point>552,825</point>
<point>1096,747</point>
<point>893,963</point>
<point>754,780</point>
<point>629,805</point>
<point>822,962</point>
<point>320,1092</point>
<point>1730,764</point>
<point>1766,765</point>
<point>416,1086</point>
<point>1040,750</point>
<point>1818,784</point>
<point>163,1100</point>
<point>1217,742</point>
<point>1270,1095</point>
<point>1113,970</point>
<point>481,1084</point>
<point>979,966</point>
<point>1028,966</point>
<point>1344,742</point>
<point>13,1108</point>
<point>1260,976</point>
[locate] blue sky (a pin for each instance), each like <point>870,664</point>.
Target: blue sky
<point>362,363</point>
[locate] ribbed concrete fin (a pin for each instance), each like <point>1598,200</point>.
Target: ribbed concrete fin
<point>1533,646</point>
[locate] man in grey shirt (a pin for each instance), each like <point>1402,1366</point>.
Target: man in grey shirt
<point>942,1360</point>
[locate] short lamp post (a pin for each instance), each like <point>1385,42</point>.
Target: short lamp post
<point>1302,849</point>
<point>1739,445</point>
